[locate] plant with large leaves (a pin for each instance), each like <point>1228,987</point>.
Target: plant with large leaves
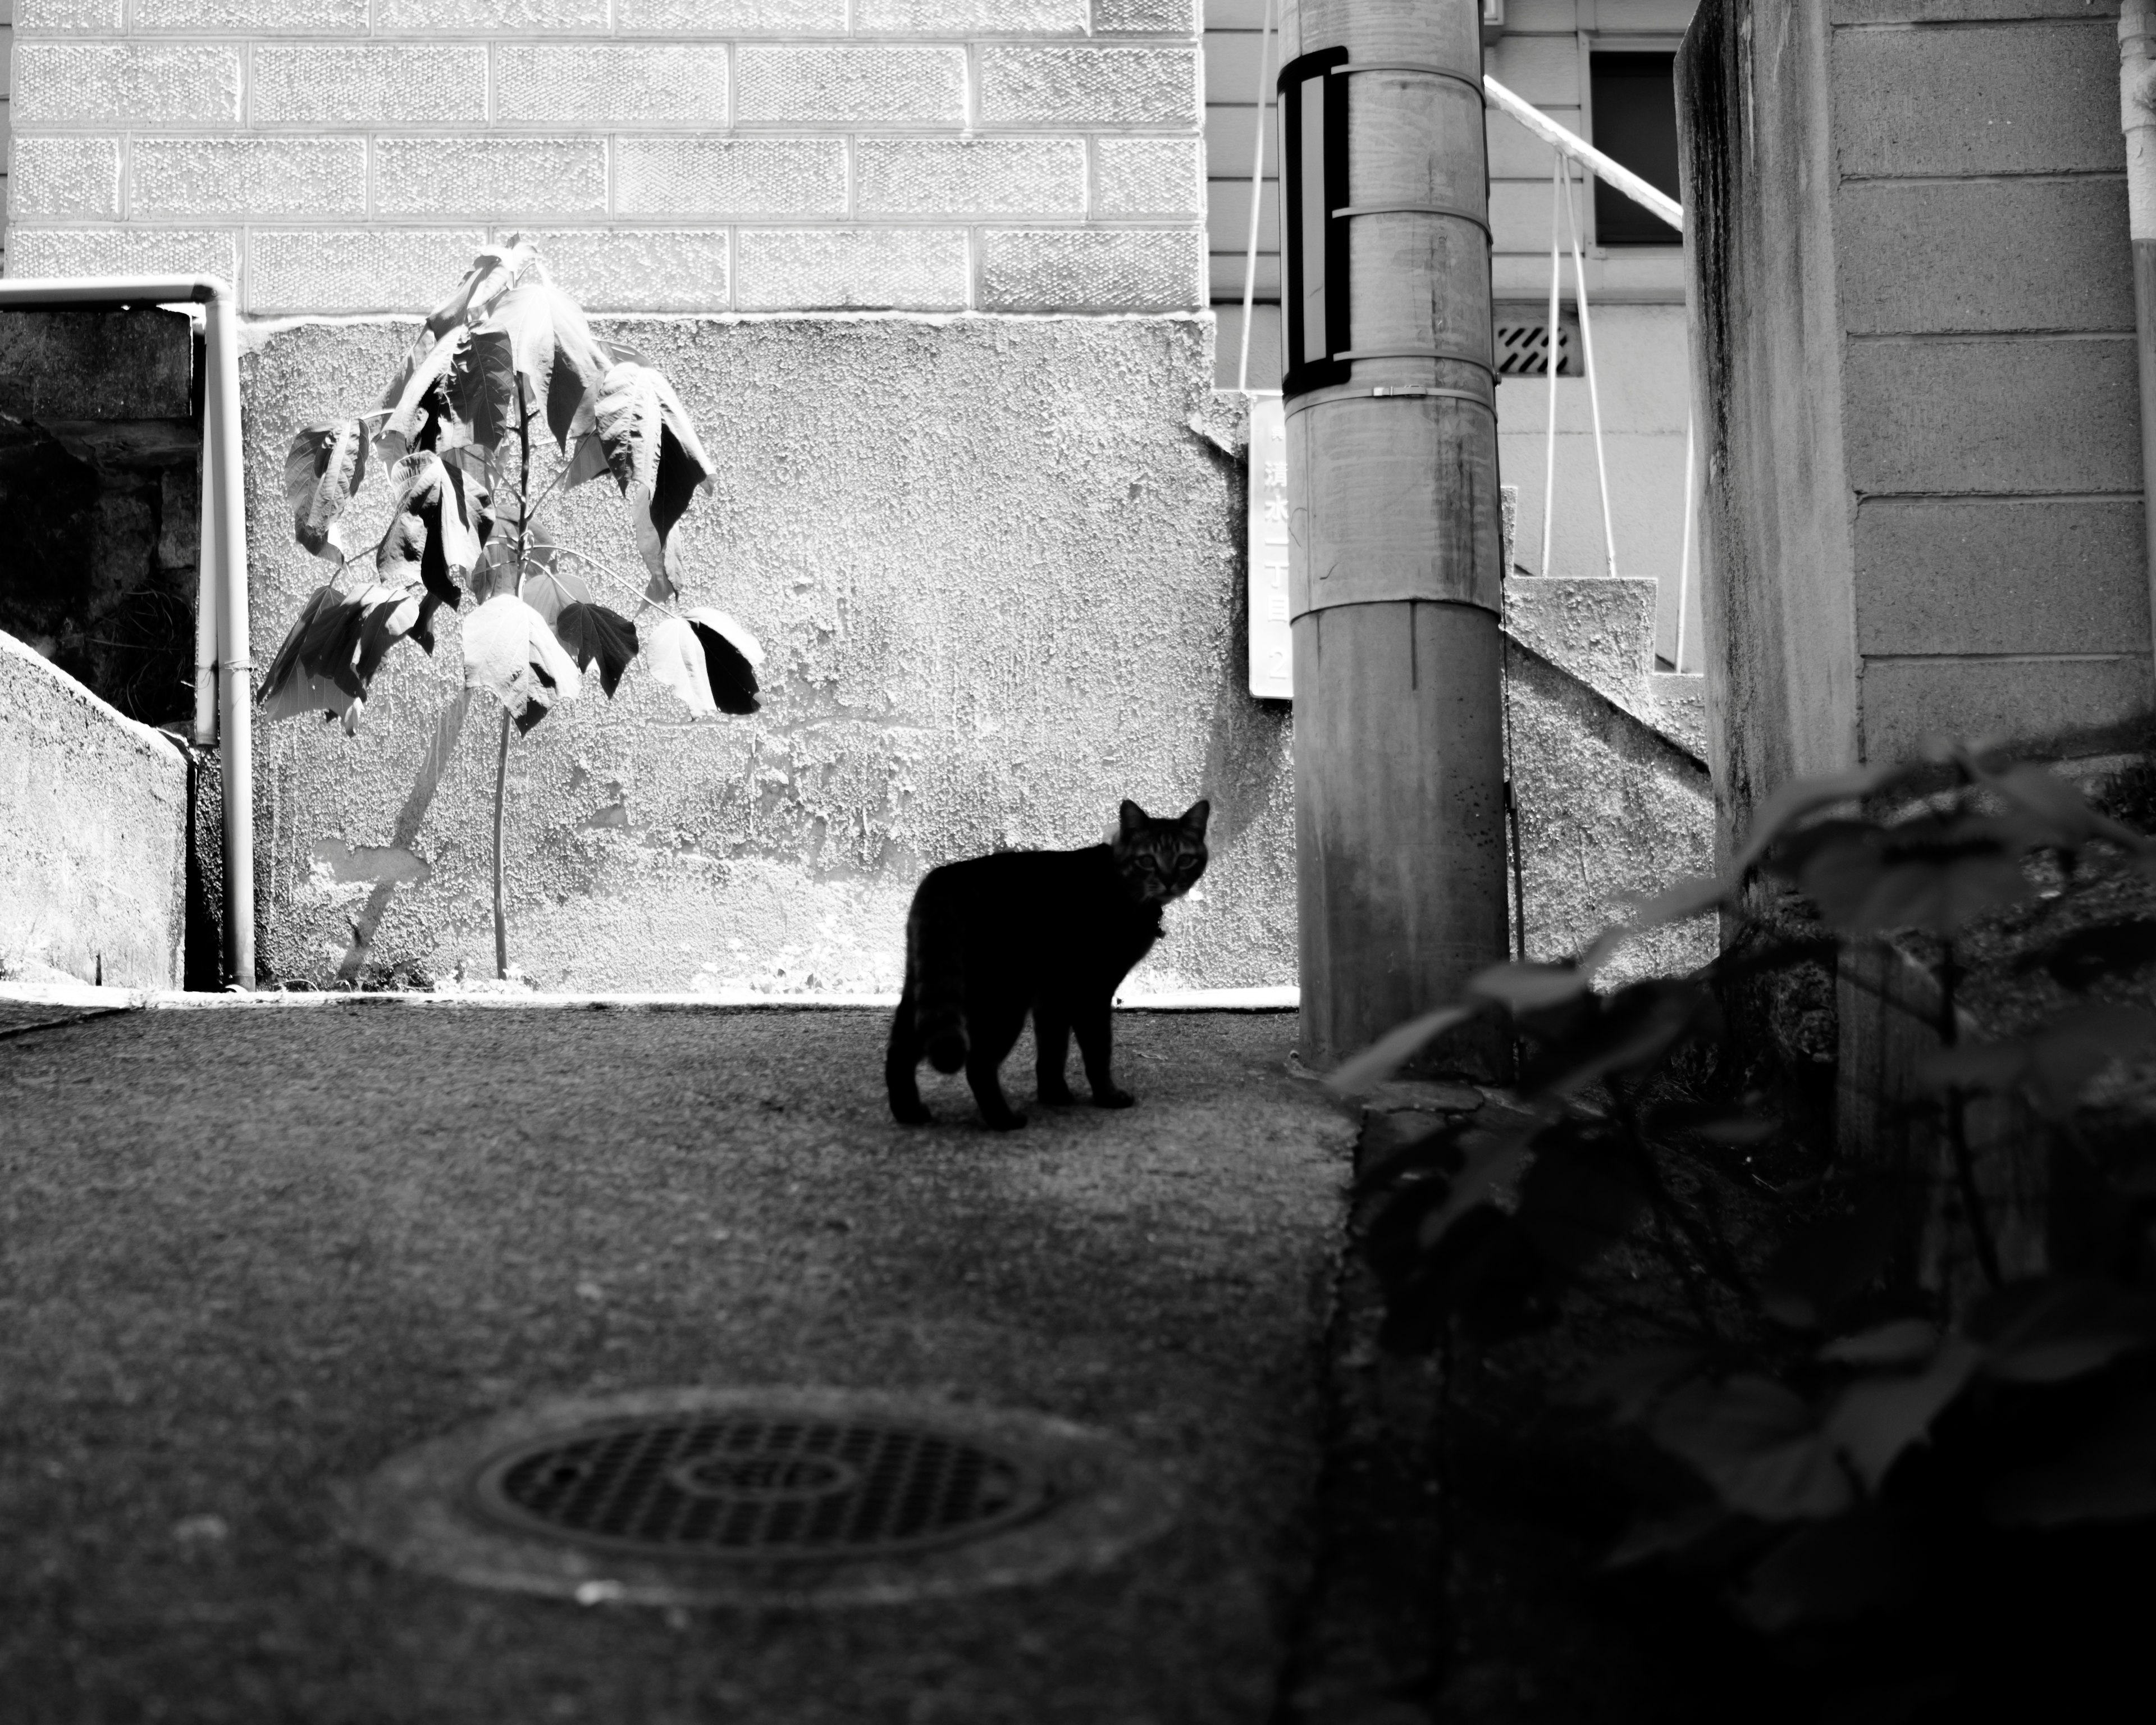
<point>1848,1418</point>
<point>505,356</point>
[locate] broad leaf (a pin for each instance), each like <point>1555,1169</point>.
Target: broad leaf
<point>494,272</point>
<point>1578,1199</point>
<point>388,614</point>
<point>1934,872</point>
<point>549,346</point>
<point>2106,949</point>
<point>512,654</point>
<point>731,657</point>
<point>422,402</point>
<point>325,465</point>
<point>1874,1419</point>
<point>2052,1329</point>
<point>1902,1343</point>
<point>2054,1066</point>
<point>1802,797</point>
<point>591,633</point>
<point>289,687</point>
<point>1633,1383</point>
<point>1396,1049</point>
<point>2051,811</point>
<point>675,657</point>
<point>653,454</point>
<point>1820,1267</point>
<point>440,527</point>
<point>1758,1444</point>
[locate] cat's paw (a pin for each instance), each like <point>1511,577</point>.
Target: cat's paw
<point>1056,1095</point>
<point>1112,1097</point>
<point>1010,1121</point>
<point>917,1115</point>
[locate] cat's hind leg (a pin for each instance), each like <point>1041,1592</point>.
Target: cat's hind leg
<point>1051,1038</point>
<point>899,1063</point>
<point>1095,1045</point>
<point>991,1034</point>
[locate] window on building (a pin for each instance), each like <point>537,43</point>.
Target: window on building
<point>1636,120</point>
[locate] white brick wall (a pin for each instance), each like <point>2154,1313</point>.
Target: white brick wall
<point>341,156</point>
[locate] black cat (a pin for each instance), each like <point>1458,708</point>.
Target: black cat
<point>1051,932</point>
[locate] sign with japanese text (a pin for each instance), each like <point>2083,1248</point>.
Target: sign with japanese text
<point>1272,665</point>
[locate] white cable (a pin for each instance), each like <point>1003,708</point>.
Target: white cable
<point>1586,354</point>
<point>1684,558</point>
<point>1556,333</point>
<point>1257,197</point>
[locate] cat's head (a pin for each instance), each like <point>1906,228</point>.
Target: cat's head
<point>1161,860</point>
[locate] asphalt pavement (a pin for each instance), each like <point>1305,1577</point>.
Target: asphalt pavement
<point>246,1257</point>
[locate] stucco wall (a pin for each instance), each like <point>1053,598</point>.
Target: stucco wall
<point>675,155</point>
<point>996,566</point>
<point>1913,324</point>
<point>93,833</point>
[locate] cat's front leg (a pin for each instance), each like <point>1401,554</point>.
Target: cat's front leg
<point>1095,1045</point>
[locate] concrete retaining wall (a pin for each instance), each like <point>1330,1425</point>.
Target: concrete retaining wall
<point>1913,327</point>
<point>996,565</point>
<point>93,834</point>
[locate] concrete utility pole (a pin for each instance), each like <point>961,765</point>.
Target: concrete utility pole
<point>1394,561</point>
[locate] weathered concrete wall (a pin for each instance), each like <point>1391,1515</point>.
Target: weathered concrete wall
<point>332,156</point>
<point>93,833</point>
<point>1914,315</point>
<point>996,565</point>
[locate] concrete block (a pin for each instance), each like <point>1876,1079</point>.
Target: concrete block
<point>1904,700</point>
<point>867,268</point>
<point>968,17</point>
<point>1176,17</point>
<point>95,365</point>
<point>639,270</point>
<point>2000,575</point>
<point>249,177</point>
<point>1958,12</point>
<point>1926,258</point>
<point>1989,99</point>
<point>606,86</point>
<point>513,176</point>
<point>1131,269</point>
<point>748,177</point>
<point>93,853</point>
<point>63,176</point>
<point>1678,699</point>
<point>1151,177</point>
<point>369,86</point>
<point>992,568</point>
<point>1993,414</point>
<point>250,18</point>
<point>66,18</point>
<point>730,17</point>
<point>122,251</point>
<point>951,176</point>
<point>62,84</point>
<point>370,270</point>
<point>490,17</point>
<point>1089,86</point>
<point>853,85</point>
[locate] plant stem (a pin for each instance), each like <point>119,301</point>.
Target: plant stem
<point>500,922</point>
<point>501,757</point>
<point>1979,1227</point>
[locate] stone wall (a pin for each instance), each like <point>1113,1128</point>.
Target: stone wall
<point>347,156</point>
<point>1914,354</point>
<point>93,835</point>
<point>996,566</point>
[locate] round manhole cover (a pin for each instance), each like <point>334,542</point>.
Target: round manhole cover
<point>799,1497</point>
<point>756,1485</point>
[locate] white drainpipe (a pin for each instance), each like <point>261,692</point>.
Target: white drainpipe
<point>221,629</point>
<point>2137,118</point>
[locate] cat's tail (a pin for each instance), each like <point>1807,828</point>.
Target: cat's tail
<point>935,963</point>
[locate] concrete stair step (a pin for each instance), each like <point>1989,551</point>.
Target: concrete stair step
<point>1678,699</point>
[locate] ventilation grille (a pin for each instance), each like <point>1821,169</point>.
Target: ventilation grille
<point>1523,342</point>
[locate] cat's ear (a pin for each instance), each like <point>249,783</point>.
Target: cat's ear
<point>1133,817</point>
<point>1194,817</point>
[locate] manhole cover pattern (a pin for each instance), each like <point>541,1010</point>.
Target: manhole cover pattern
<point>758,1487</point>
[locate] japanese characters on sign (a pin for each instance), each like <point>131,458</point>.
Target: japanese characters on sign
<point>1272,673</point>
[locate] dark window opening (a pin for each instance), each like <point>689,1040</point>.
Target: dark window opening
<point>1636,120</point>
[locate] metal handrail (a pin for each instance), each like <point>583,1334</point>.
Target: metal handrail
<point>1571,144</point>
<point>222,642</point>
